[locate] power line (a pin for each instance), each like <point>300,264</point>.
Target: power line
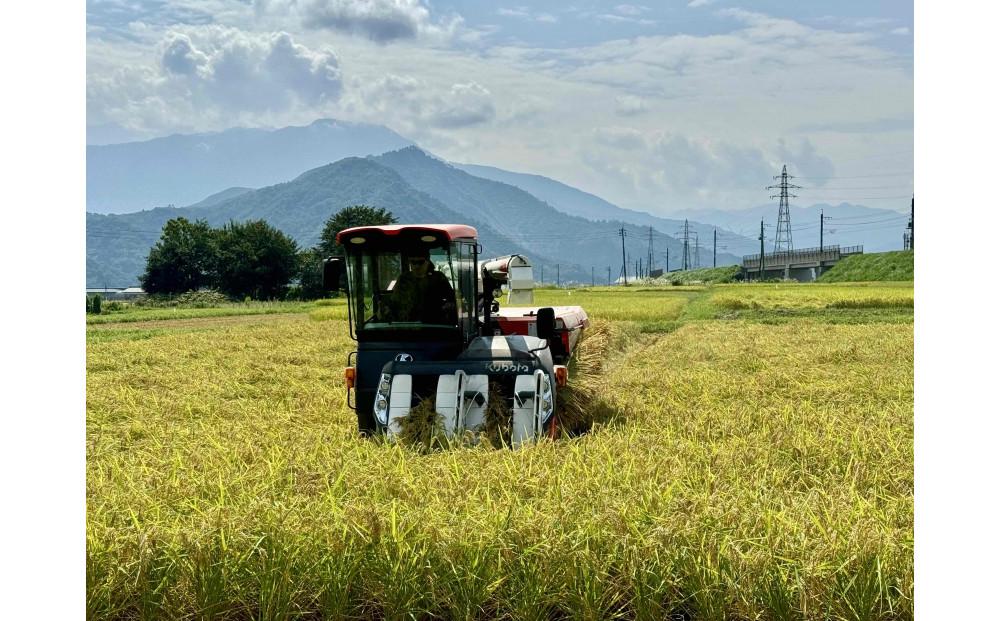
<point>899,174</point>
<point>858,198</point>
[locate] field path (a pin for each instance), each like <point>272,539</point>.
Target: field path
<point>200,322</point>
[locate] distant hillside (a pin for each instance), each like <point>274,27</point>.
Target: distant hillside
<point>222,196</point>
<point>577,244</point>
<point>877,230</point>
<point>705,275</point>
<point>117,244</point>
<point>896,265</point>
<point>182,169</point>
<point>570,200</point>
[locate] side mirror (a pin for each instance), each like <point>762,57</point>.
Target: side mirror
<point>332,271</point>
<point>545,323</point>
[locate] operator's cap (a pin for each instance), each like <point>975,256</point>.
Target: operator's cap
<point>420,252</point>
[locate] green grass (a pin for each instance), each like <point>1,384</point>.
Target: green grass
<point>879,266</point>
<point>133,314</point>
<point>705,275</point>
<point>749,471</point>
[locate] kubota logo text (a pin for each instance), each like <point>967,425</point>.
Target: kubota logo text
<point>508,367</point>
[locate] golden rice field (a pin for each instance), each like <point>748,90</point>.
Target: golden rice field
<point>816,296</point>
<point>751,470</point>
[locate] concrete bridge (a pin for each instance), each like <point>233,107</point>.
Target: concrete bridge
<point>804,265</point>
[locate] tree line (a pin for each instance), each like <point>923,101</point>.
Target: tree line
<point>247,259</point>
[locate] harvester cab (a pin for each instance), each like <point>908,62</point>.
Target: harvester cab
<point>424,311</point>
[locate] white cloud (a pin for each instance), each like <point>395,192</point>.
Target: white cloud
<point>685,120</point>
<point>900,31</point>
<point>697,3</point>
<point>208,74</point>
<point>631,10</point>
<point>466,104</point>
<point>180,56</point>
<point>629,105</point>
<point>807,161</point>
<point>611,17</point>
<point>412,104</point>
<point>524,13</point>
<point>381,21</point>
<point>620,137</point>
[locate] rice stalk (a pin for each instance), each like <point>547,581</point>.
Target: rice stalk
<point>423,427</point>
<point>580,403</point>
<point>498,419</point>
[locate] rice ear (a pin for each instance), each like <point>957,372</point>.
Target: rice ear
<point>423,427</point>
<point>579,404</point>
<point>498,420</point>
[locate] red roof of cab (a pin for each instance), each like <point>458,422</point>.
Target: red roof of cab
<point>453,231</point>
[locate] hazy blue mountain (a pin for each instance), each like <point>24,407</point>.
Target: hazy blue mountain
<point>878,230</point>
<point>117,244</point>
<point>182,169</point>
<point>222,196</point>
<point>570,200</point>
<point>576,243</point>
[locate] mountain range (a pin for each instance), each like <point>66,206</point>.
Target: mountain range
<point>562,229</point>
<point>408,182</point>
<point>183,169</point>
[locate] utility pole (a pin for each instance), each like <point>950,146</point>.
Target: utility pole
<point>821,221</point>
<point>623,233</point>
<point>592,282</point>
<point>649,254</point>
<point>609,275</point>
<point>783,238</point>
<point>667,268</point>
<point>557,274</point>
<point>908,233</point>
<point>822,227</point>
<point>715,243</point>
<point>761,277</point>
<point>697,252</point>
<point>541,278</point>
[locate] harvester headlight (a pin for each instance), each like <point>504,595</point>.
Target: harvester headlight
<point>545,398</point>
<point>381,407</point>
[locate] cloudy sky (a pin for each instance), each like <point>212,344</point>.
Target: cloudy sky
<point>657,106</point>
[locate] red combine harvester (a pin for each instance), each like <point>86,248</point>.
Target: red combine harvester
<point>424,311</point>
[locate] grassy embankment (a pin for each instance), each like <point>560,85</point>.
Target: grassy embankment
<point>704,275</point>
<point>752,471</point>
<point>879,266</point>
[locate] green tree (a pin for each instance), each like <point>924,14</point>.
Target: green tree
<point>310,274</point>
<point>256,260</point>
<point>355,215</point>
<point>182,259</point>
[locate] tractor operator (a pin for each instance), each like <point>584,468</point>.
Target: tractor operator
<point>423,293</point>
